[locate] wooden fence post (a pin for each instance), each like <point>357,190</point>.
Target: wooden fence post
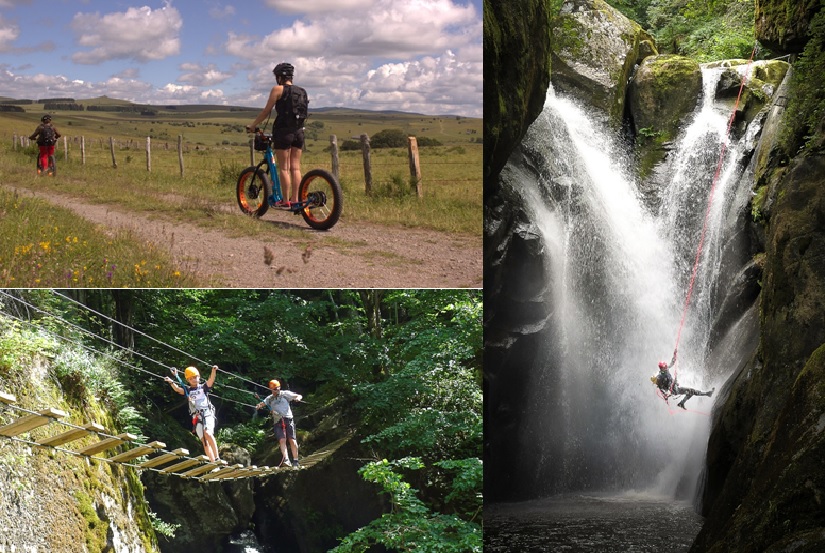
<point>415,166</point>
<point>149,153</point>
<point>14,143</point>
<point>112,146</point>
<point>180,153</point>
<point>365,148</point>
<point>65,149</point>
<point>83,150</point>
<point>333,140</point>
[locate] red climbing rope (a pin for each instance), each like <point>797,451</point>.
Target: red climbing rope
<point>710,203</point>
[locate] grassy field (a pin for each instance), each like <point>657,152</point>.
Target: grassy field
<point>43,245</point>
<point>47,246</point>
<point>216,149</point>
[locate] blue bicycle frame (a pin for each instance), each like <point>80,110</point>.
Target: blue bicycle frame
<point>320,193</point>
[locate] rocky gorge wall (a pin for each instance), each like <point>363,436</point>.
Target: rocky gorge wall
<point>764,478</point>
<point>51,501</point>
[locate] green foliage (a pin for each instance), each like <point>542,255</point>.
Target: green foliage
<point>229,171</point>
<point>705,30</point>
<point>425,141</point>
<point>83,376</point>
<point>389,138</point>
<point>468,480</point>
<point>396,187</point>
<point>19,345</point>
<point>806,105</point>
<point>166,529</point>
<point>247,435</point>
<point>411,525</point>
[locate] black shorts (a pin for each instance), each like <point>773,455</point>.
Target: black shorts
<point>283,139</point>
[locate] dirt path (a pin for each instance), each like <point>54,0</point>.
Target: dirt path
<point>351,255</point>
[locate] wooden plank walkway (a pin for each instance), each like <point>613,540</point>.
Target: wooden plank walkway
<point>198,468</point>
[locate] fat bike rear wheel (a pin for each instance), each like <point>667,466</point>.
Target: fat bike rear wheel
<point>324,197</point>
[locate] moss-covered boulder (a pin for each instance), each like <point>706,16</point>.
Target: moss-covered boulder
<point>663,92</point>
<point>782,25</point>
<point>595,48</point>
<point>516,76</point>
<point>765,478</point>
<point>764,78</point>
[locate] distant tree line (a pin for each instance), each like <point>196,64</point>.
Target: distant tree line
<point>123,109</point>
<point>56,101</point>
<point>63,107</point>
<point>389,138</point>
<point>6,107</point>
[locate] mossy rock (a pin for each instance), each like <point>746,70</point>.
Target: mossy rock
<point>664,90</point>
<point>595,48</point>
<point>782,25</point>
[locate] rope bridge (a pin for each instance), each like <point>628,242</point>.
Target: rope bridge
<point>198,468</point>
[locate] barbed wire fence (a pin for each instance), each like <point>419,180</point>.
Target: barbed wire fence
<point>70,147</point>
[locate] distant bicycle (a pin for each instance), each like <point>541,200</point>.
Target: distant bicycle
<point>320,198</point>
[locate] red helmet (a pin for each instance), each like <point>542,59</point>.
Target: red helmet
<point>662,364</point>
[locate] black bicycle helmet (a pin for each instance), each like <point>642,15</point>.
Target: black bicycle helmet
<point>284,70</point>
<point>46,118</point>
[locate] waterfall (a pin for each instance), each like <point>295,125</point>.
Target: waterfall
<point>619,272</point>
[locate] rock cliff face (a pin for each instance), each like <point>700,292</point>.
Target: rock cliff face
<point>765,479</point>
<point>782,25</point>
<point>764,484</point>
<point>516,75</point>
<point>56,502</point>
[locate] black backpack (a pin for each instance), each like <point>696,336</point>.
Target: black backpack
<point>296,105</point>
<point>47,135</point>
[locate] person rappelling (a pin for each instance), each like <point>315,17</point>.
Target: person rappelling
<point>669,387</point>
<point>200,408</point>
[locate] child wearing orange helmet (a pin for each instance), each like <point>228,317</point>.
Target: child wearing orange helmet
<point>278,404</point>
<point>201,409</point>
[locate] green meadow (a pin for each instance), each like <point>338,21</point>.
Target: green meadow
<point>216,149</point>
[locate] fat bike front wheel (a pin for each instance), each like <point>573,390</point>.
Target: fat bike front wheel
<point>253,191</point>
<point>324,197</point>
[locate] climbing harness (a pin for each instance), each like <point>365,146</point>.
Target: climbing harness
<point>718,172</point>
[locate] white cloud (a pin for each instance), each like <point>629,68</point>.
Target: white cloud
<point>391,28</point>
<point>13,3</point>
<point>319,6</point>
<point>8,34</point>
<point>417,55</point>
<point>221,12</point>
<point>433,85</point>
<point>199,75</point>
<point>141,34</point>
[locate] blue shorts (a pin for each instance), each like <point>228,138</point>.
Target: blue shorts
<point>284,428</point>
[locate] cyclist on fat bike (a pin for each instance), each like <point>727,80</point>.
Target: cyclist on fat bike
<point>287,131</point>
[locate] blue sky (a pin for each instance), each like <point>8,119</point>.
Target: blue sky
<point>422,56</point>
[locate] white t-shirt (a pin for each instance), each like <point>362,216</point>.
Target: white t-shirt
<point>279,404</point>
<point>198,399</point>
